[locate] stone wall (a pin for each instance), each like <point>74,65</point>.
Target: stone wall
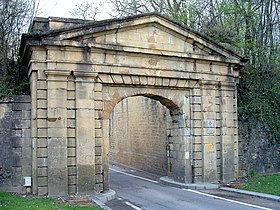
<point>15,143</point>
<point>138,134</point>
<point>257,153</point>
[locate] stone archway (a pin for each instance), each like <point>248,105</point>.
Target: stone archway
<point>179,134</point>
<point>79,72</point>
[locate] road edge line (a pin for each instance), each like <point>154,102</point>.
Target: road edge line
<point>132,206</point>
<point>256,194</point>
<point>229,200</point>
<point>139,177</point>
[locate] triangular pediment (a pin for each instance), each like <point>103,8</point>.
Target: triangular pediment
<point>151,36</point>
<point>143,33</point>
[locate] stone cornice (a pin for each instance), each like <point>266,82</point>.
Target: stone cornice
<point>57,73</point>
<point>140,80</point>
<point>128,49</point>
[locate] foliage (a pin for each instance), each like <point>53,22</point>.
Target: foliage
<point>263,184</point>
<point>13,202</point>
<point>250,27</point>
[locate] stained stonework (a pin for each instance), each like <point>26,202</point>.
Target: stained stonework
<point>15,143</point>
<point>79,72</point>
<point>139,134</point>
<point>257,152</point>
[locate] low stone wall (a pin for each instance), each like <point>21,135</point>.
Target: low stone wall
<point>257,153</point>
<point>15,143</point>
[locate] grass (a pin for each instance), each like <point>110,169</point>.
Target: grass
<point>14,202</point>
<point>263,184</point>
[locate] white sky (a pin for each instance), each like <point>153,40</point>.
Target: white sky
<point>61,8</point>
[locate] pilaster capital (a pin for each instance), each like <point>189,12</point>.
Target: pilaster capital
<point>205,84</point>
<point>82,76</point>
<point>228,84</point>
<point>57,75</point>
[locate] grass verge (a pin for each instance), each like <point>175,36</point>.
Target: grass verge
<point>14,202</point>
<point>263,184</point>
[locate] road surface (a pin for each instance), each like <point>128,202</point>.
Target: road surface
<point>139,190</point>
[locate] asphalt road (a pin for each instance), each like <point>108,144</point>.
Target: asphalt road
<point>139,190</point>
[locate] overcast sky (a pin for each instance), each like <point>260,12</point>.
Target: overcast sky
<point>61,8</point>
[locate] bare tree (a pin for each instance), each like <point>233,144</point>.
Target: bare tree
<point>15,16</point>
<point>87,10</point>
<point>191,12</point>
<point>134,7</point>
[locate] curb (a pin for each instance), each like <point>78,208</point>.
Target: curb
<point>101,204</point>
<point>260,195</point>
<point>103,198</point>
<point>170,182</point>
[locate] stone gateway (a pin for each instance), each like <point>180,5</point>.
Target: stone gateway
<point>81,70</point>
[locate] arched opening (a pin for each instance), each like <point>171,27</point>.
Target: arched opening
<point>138,130</point>
<point>171,153</point>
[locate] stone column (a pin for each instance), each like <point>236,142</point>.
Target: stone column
<point>188,139</point>
<point>105,154</point>
<point>208,132</point>
<point>57,132</point>
<point>196,137</point>
<point>228,130</point>
<point>33,87</point>
<point>176,143</point>
<point>180,142</point>
<point>85,132</point>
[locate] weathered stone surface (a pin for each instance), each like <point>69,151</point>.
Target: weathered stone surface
<point>257,154</point>
<point>138,128</point>
<point>79,75</point>
<point>15,143</point>
<point>57,167</point>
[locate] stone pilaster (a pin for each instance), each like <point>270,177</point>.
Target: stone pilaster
<point>57,132</point>
<point>105,159</point>
<point>179,141</point>
<point>101,174</point>
<point>228,131</point>
<point>208,132</point>
<point>33,87</point>
<point>71,135</point>
<point>187,139</point>
<point>196,124</point>
<point>85,132</point>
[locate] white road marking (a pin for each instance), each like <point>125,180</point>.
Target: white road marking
<point>194,191</point>
<point>225,199</point>
<point>133,206</point>
<point>138,177</point>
